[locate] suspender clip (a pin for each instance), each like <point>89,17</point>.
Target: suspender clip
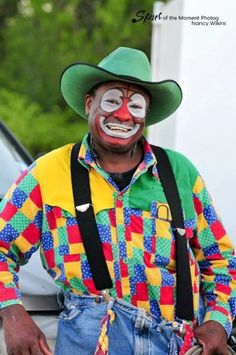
<point>181,231</point>
<point>83,208</point>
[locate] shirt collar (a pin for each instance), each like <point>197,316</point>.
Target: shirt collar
<point>88,158</point>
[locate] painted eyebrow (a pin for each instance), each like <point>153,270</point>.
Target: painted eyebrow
<point>120,94</point>
<point>120,89</point>
<point>128,89</point>
<point>135,93</point>
<point>123,93</point>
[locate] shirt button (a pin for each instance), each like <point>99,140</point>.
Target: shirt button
<point>125,260</point>
<point>120,198</point>
<point>175,325</point>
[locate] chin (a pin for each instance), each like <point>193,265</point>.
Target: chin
<point>119,144</point>
<point>119,141</point>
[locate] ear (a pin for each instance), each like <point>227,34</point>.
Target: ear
<point>88,103</point>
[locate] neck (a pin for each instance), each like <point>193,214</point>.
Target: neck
<point>118,162</point>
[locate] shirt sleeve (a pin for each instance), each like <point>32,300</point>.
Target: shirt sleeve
<point>214,253</point>
<point>20,230</point>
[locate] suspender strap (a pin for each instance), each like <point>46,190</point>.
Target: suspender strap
<point>87,223</point>
<point>184,307</point>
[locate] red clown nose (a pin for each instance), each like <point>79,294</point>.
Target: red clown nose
<point>123,113</point>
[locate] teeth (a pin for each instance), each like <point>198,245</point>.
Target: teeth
<point>114,127</point>
<point>118,130</point>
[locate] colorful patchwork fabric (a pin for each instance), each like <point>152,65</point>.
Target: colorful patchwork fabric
<point>135,230</point>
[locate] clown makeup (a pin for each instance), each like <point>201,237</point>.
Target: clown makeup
<point>118,130</point>
<point>112,100</point>
<point>116,113</point>
<point>122,109</point>
<point>137,106</point>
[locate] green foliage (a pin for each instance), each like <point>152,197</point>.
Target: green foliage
<point>37,130</point>
<point>39,38</point>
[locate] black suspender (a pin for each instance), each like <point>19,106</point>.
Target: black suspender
<point>87,223</point>
<point>91,240</point>
<point>184,306</point>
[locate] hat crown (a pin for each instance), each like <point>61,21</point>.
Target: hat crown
<point>123,64</point>
<point>127,62</point>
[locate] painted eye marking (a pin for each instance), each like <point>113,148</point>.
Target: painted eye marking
<point>111,100</point>
<point>137,105</point>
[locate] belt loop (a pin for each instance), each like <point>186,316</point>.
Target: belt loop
<point>140,319</point>
<point>162,323</point>
<point>106,296</point>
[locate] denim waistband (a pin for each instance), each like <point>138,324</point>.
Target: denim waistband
<point>69,299</point>
<point>106,320</point>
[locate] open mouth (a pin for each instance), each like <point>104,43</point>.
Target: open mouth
<point>119,130</point>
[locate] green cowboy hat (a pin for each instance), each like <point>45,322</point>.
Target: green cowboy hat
<point>124,64</point>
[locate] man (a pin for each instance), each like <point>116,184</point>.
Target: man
<point>134,225</point>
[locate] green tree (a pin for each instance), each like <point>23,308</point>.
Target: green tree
<point>7,10</point>
<point>37,130</point>
<point>40,38</point>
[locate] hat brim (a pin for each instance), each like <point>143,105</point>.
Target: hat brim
<point>79,78</point>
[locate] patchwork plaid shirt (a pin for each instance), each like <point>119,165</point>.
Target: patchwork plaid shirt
<point>135,231</point>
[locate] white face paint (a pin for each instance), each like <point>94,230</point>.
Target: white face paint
<point>137,106</point>
<point>112,101</point>
<point>117,129</point>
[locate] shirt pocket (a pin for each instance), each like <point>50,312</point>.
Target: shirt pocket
<point>151,234</point>
<point>159,242</point>
<point>165,245</point>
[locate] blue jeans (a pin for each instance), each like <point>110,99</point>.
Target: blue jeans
<point>132,331</point>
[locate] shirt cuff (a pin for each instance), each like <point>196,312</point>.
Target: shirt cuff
<point>10,303</point>
<point>221,318</point>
